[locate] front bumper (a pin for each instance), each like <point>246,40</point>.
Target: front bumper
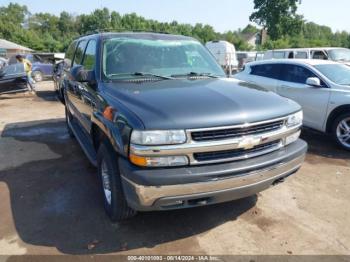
<point>173,188</point>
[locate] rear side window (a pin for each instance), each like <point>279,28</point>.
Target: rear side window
<point>295,74</point>
<point>90,55</point>
<point>266,70</point>
<point>79,53</point>
<point>318,54</point>
<point>278,55</point>
<point>300,55</point>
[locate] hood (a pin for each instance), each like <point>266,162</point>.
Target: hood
<point>186,104</point>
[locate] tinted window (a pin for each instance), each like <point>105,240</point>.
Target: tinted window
<point>70,53</point>
<point>79,53</point>
<point>90,55</point>
<point>319,55</point>
<point>266,70</point>
<point>36,59</point>
<point>295,74</point>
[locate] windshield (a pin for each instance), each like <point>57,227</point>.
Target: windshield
<point>341,54</point>
<point>14,69</point>
<point>123,57</point>
<point>338,73</point>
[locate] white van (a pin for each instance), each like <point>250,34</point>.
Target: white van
<point>225,54</point>
<point>336,54</point>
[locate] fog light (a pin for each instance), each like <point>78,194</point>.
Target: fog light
<point>159,161</point>
<point>292,138</point>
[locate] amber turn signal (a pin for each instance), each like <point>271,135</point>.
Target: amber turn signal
<point>138,160</point>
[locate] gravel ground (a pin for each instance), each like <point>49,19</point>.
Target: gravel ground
<point>51,203</point>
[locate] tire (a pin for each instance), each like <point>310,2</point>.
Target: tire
<point>341,131</point>
<point>68,120</point>
<point>60,94</point>
<point>114,199</point>
<point>37,76</point>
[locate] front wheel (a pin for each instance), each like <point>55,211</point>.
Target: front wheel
<point>112,190</point>
<point>68,121</point>
<point>341,131</point>
<point>37,76</point>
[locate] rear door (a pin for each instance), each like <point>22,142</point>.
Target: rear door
<point>264,75</point>
<point>314,100</point>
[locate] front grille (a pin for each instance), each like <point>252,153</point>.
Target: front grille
<point>236,132</point>
<point>237,153</point>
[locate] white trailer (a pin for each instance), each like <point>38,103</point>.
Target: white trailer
<point>225,54</point>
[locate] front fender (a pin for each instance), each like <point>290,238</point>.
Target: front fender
<point>117,132</point>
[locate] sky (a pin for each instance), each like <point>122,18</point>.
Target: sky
<point>223,15</point>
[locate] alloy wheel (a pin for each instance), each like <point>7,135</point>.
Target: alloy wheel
<point>343,132</point>
<point>106,182</point>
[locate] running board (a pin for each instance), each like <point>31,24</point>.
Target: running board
<point>84,141</point>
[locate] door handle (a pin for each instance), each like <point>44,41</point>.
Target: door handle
<point>285,87</point>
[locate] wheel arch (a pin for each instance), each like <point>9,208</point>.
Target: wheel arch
<point>334,114</point>
<point>103,129</point>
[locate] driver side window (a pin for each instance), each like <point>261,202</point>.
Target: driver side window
<point>90,56</point>
<point>79,53</point>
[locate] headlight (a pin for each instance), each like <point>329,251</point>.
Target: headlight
<point>161,137</point>
<point>163,161</point>
<point>295,119</point>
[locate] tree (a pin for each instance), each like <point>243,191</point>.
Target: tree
<point>278,17</point>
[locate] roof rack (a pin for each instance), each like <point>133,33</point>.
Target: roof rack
<point>119,30</point>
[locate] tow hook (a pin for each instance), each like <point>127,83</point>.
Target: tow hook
<point>278,181</point>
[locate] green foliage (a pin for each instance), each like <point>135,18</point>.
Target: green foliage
<point>278,16</point>
<point>47,32</point>
<point>288,29</point>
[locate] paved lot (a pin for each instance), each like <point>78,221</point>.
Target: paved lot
<point>50,202</point>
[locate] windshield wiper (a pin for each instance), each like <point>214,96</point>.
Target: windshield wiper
<point>193,74</point>
<point>142,74</point>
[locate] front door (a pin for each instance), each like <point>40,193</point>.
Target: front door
<point>314,100</point>
<point>88,90</point>
<point>73,87</point>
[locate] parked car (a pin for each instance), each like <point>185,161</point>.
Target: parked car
<point>321,87</point>
<point>167,133</point>
<point>245,57</point>
<point>13,79</point>
<point>58,78</point>
<point>41,68</point>
<point>225,54</point>
<point>341,55</point>
<point>3,62</point>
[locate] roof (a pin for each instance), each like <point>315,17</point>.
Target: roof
<point>140,35</point>
<point>311,62</point>
<point>304,49</point>
<point>249,36</point>
<point>10,45</point>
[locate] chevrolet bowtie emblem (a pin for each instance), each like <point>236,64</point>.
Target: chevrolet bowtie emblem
<point>249,142</point>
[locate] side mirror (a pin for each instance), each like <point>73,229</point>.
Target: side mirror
<point>313,81</point>
<point>79,74</point>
